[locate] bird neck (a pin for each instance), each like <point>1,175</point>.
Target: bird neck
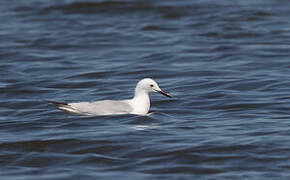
<point>141,102</point>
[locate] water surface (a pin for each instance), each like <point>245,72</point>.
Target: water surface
<point>226,63</point>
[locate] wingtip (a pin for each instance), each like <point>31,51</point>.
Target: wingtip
<point>57,103</point>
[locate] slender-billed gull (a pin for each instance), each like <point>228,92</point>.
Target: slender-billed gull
<point>139,104</point>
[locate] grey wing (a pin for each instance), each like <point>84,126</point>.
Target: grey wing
<point>105,107</point>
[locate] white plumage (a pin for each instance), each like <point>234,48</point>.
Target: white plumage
<point>139,104</point>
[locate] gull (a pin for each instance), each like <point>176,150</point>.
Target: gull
<point>139,104</point>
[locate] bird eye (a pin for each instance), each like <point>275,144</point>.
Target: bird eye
<point>151,85</point>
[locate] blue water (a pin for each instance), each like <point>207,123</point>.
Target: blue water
<point>226,64</point>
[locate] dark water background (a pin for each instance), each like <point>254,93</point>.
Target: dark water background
<point>226,63</point>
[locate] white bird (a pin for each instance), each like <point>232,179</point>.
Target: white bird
<point>139,104</point>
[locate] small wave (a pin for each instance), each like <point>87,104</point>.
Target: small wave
<point>96,7</point>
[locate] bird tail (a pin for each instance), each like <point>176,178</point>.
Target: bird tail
<point>63,106</point>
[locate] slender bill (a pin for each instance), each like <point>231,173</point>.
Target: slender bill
<point>164,93</point>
